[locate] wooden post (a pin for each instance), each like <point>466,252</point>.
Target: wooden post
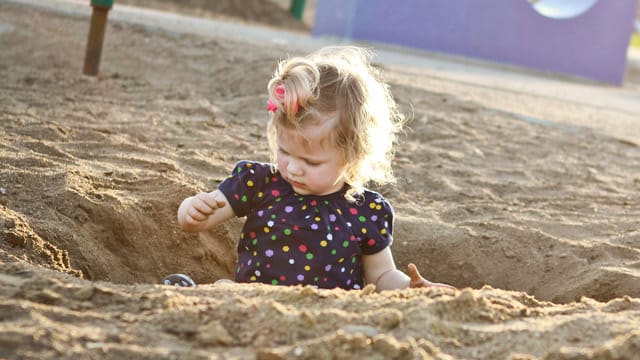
<point>96,36</point>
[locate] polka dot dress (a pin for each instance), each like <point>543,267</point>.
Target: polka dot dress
<point>291,239</point>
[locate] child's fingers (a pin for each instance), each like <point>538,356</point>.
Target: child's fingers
<point>211,200</point>
<point>415,279</point>
<point>206,203</point>
<point>202,206</point>
<point>418,281</point>
<point>196,214</point>
<point>414,274</point>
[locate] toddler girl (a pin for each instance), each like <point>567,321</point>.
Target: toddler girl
<point>309,218</point>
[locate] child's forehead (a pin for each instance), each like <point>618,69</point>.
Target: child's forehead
<point>312,137</point>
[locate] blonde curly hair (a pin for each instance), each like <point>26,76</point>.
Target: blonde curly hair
<point>339,85</point>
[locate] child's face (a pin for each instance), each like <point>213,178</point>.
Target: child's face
<point>312,166</point>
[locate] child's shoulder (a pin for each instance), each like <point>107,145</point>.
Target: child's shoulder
<point>253,166</point>
<point>374,200</point>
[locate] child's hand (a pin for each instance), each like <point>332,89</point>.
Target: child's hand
<point>416,280</point>
<point>197,209</point>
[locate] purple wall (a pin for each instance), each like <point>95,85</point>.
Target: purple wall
<point>592,45</point>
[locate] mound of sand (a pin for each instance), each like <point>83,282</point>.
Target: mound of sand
<point>536,222</point>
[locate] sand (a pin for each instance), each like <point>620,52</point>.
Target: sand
<point>537,222</point>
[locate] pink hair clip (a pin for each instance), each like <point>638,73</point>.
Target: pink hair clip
<point>273,107</point>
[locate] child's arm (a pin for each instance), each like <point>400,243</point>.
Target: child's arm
<point>204,211</point>
<point>380,270</point>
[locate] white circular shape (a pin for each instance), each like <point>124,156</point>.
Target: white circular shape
<point>562,9</point>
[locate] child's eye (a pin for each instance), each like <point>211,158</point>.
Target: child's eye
<point>312,163</point>
<point>283,151</point>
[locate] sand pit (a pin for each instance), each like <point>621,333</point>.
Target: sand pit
<point>537,222</point>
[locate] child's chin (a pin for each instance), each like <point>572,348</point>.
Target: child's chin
<point>302,191</point>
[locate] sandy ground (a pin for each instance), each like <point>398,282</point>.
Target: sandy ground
<point>536,221</point>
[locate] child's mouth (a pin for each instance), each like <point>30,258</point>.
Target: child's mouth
<point>295,183</point>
